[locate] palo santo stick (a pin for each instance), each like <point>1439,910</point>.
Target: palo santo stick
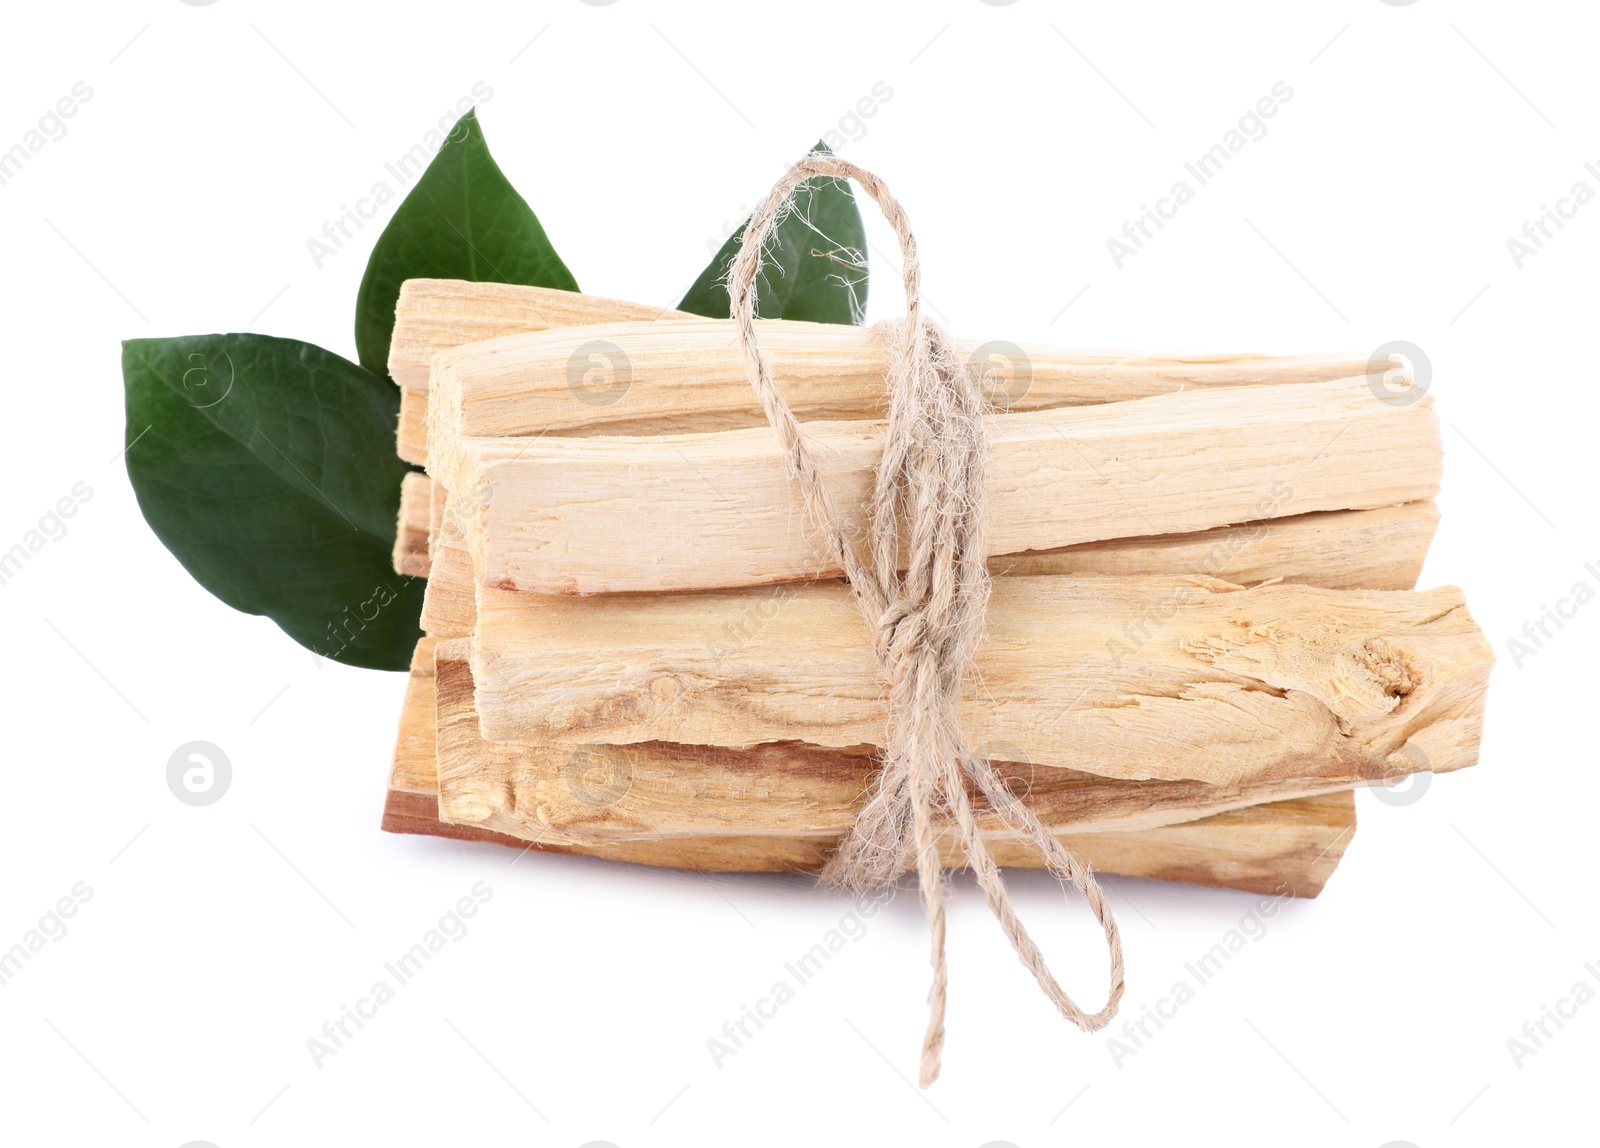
<point>679,512</point>
<point>654,378</point>
<point>434,315</point>
<point>1288,847</point>
<point>422,507</point>
<point>1134,678</point>
<point>411,433</point>
<point>587,793</point>
<point>411,532</point>
<point>413,769</point>
<point>449,605</point>
<point>1379,549</point>
<point>438,500</point>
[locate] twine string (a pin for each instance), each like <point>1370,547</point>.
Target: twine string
<point>922,585</point>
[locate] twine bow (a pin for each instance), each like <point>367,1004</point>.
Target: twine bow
<point>923,586</point>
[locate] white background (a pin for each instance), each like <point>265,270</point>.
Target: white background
<point>218,940</point>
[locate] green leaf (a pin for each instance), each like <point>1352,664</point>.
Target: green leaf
<point>267,467</point>
<point>814,267</point>
<point>463,220</point>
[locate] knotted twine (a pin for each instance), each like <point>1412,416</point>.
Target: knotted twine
<point>922,585</point>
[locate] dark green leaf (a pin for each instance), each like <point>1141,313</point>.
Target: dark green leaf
<point>267,467</point>
<point>463,220</point>
<point>814,267</point>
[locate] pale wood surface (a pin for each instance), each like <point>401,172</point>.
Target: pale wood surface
<point>665,378</point>
<point>1288,847</point>
<point>1379,549</point>
<point>414,769</point>
<point>1136,678</point>
<point>438,499</point>
<point>434,315</point>
<point>411,432</point>
<point>411,533</point>
<point>585,793</point>
<point>676,512</point>
<point>449,603</point>
<point>538,371</point>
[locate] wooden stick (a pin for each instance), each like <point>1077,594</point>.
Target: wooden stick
<point>1134,678</point>
<point>411,532</point>
<point>580,794</point>
<point>434,315</point>
<point>449,604</point>
<point>1379,549</point>
<point>438,501</point>
<point>1288,847</point>
<point>413,769</point>
<point>557,363</point>
<point>659,378</point>
<point>680,512</point>
<point>411,434</point>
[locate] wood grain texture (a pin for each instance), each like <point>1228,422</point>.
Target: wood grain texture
<point>438,501</point>
<point>1288,847</point>
<point>413,769</point>
<point>1379,549</point>
<point>1153,678</point>
<point>594,793</point>
<point>687,376</point>
<point>449,602</point>
<point>434,315</point>
<point>681,512</point>
<point>411,532</point>
<point>411,431</point>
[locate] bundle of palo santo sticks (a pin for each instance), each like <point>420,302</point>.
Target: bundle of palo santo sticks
<point>1202,636</point>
